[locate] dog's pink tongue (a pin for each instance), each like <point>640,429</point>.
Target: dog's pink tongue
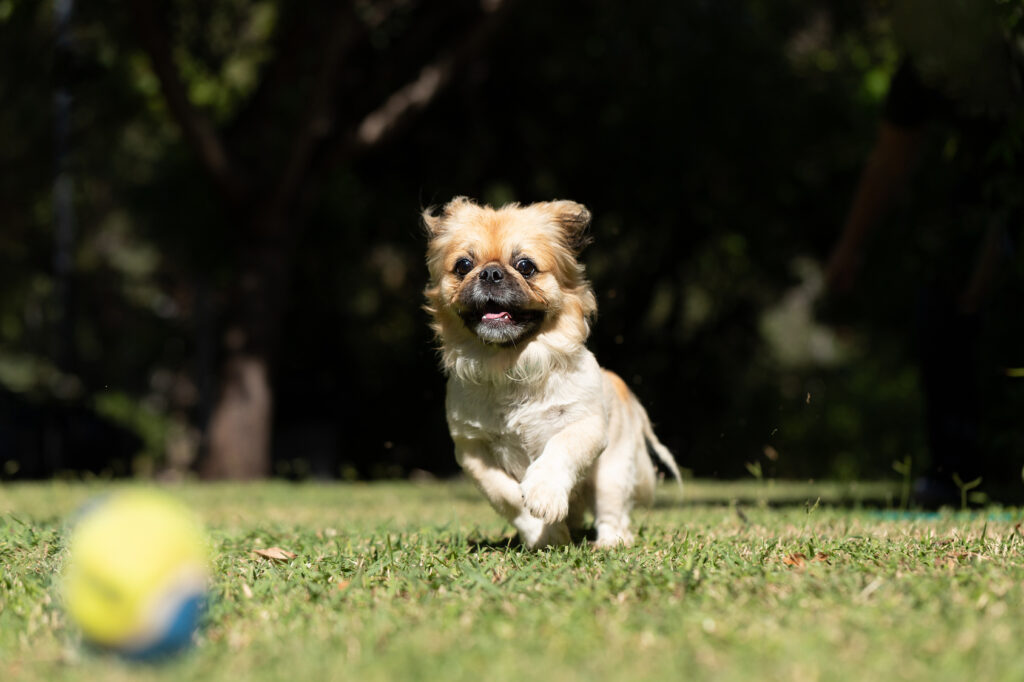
<point>503,316</point>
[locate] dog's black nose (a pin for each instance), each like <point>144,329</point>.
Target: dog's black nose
<point>491,273</point>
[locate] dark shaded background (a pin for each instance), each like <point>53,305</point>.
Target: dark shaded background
<point>716,143</point>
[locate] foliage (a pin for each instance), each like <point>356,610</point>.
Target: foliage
<point>717,145</point>
<point>400,581</point>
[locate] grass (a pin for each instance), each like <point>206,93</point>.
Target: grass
<point>404,581</point>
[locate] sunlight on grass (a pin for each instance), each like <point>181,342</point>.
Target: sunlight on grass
<point>419,581</point>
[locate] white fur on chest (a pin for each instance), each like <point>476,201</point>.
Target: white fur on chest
<point>514,420</point>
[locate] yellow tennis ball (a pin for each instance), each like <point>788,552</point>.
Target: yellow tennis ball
<point>137,574</point>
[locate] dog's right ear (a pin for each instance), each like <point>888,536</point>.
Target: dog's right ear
<point>434,224</point>
<point>431,222</point>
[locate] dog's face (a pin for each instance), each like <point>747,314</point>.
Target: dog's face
<point>499,278</point>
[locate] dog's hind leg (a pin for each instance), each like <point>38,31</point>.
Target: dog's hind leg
<point>615,478</point>
<point>613,496</point>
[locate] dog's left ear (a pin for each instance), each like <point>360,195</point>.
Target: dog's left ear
<point>574,219</point>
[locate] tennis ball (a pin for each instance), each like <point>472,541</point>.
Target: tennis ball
<point>137,576</point>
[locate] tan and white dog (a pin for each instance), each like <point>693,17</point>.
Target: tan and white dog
<point>544,432</point>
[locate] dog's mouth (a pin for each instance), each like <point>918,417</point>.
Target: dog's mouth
<point>499,322</point>
<point>502,313</point>
<point>503,316</point>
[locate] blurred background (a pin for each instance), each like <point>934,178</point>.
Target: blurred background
<point>211,262</point>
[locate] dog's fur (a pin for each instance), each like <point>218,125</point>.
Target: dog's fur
<point>544,432</point>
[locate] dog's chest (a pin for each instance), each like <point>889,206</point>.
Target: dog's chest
<point>512,421</point>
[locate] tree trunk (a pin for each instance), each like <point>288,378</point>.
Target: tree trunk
<point>240,429</point>
<point>240,426</point>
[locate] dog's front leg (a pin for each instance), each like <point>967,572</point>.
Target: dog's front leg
<point>504,494</point>
<point>565,461</point>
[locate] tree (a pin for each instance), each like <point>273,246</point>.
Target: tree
<point>363,71</point>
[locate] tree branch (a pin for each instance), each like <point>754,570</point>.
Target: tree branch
<point>400,108</point>
<point>298,26</point>
<point>195,126</point>
<point>319,119</point>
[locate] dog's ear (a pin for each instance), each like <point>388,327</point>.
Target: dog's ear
<point>434,223</point>
<point>431,222</point>
<point>574,219</point>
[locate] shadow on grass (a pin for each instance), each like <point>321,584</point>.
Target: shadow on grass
<point>838,503</point>
<point>780,494</point>
<point>501,544</point>
<point>857,495</point>
<point>580,537</point>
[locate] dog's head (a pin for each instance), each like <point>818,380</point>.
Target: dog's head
<point>501,279</point>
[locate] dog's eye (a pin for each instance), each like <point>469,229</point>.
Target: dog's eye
<point>525,267</point>
<point>463,266</point>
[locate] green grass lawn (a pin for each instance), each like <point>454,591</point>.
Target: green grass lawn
<point>403,581</point>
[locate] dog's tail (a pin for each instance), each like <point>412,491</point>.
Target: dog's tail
<point>655,447</point>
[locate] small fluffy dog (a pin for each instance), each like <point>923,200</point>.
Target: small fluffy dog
<point>538,425</point>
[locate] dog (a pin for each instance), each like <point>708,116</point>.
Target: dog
<point>544,432</point>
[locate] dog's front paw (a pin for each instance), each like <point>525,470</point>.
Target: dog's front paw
<point>546,497</point>
<point>535,534</point>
